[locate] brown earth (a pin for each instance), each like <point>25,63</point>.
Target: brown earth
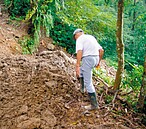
<point>40,91</point>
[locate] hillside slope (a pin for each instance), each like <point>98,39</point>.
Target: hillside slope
<point>9,35</point>
<point>40,91</point>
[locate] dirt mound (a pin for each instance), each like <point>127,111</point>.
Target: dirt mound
<point>35,91</point>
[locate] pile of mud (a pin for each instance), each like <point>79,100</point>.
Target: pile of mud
<point>36,92</point>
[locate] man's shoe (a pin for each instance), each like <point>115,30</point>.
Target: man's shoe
<point>93,101</point>
<point>82,89</point>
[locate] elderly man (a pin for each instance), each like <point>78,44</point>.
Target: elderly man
<point>89,55</point>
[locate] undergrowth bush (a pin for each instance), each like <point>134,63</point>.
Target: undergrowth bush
<point>27,44</point>
<point>133,78</point>
<point>102,73</point>
<point>62,34</point>
<point>131,81</point>
<point>17,7</point>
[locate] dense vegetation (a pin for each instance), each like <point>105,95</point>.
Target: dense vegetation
<point>58,19</point>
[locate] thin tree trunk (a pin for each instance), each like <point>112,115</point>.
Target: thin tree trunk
<point>142,97</point>
<point>120,45</point>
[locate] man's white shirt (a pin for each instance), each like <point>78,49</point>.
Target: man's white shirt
<point>88,44</point>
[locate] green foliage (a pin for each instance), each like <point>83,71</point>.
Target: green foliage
<point>109,46</point>
<point>41,17</point>
<point>135,38</point>
<point>102,73</point>
<point>112,62</point>
<point>62,35</point>
<point>133,78</point>
<point>95,17</point>
<point>92,19</point>
<point>39,13</point>
<point>95,20</point>
<point>17,7</point>
<point>27,44</point>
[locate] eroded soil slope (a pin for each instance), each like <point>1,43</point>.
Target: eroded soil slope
<point>36,92</point>
<point>9,34</point>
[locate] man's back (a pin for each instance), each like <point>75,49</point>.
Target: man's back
<point>88,44</point>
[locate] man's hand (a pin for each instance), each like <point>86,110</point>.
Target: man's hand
<point>77,71</point>
<point>97,67</point>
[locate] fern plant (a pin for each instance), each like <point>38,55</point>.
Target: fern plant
<point>40,17</point>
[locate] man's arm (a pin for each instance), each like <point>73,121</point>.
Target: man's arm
<point>79,57</point>
<point>101,52</point>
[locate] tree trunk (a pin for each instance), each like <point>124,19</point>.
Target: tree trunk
<point>142,97</point>
<point>120,45</point>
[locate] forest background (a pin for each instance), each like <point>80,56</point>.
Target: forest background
<point>59,18</point>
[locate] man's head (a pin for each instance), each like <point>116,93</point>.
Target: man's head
<point>77,33</point>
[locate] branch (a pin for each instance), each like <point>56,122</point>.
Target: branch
<point>131,124</point>
<point>124,101</point>
<point>101,80</point>
<point>114,98</point>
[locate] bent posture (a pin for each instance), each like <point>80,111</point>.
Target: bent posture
<point>89,55</point>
